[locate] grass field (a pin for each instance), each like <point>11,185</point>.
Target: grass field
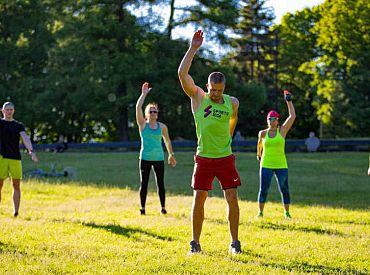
<point>92,225</point>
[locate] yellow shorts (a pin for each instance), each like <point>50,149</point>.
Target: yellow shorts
<point>10,168</point>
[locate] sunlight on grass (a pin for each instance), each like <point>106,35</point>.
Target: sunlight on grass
<point>91,223</point>
<point>67,228</point>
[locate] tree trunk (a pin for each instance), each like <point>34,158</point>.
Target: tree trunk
<point>122,120</point>
<point>170,20</point>
<point>123,125</point>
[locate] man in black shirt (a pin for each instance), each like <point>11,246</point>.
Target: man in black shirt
<point>10,160</point>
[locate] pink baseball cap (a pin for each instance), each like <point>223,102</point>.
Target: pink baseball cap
<point>273,114</point>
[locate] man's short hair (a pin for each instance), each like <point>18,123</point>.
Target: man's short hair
<point>216,77</point>
<point>8,103</point>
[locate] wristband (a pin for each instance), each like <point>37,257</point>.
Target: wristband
<point>288,97</point>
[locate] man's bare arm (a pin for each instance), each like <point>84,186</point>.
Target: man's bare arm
<point>234,115</point>
<point>186,80</point>
<point>27,143</point>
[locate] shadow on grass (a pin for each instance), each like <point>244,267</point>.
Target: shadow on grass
<point>294,266</point>
<point>6,248</point>
<point>312,268</point>
<point>353,222</point>
<point>126,231</point>
<point>313,229</point>
<point>2,247</point>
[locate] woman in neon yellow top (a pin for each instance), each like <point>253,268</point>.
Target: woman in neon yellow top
<point>271,154</point>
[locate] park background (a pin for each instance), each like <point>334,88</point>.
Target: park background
<point>75,68</point>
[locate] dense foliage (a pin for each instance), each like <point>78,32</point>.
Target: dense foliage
<point>76,67</point>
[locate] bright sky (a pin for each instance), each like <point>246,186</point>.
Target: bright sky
<point>281,7</point>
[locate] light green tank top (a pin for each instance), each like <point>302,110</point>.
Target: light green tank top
<point>273,154</point>
<point>151,143</point>
<point>212,122</point>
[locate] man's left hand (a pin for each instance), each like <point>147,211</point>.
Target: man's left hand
<point>33,156</point>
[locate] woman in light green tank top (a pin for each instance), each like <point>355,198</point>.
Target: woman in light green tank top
<point>271,154</point>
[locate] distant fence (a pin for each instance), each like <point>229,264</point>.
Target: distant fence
<point>245,145</point>
<point>326,145</point>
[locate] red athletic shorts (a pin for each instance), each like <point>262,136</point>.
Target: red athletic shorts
<point>206,169</point>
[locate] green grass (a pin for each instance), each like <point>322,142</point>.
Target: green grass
<point>91,224</point>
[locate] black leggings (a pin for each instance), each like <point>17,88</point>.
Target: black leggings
<point>145,167</point>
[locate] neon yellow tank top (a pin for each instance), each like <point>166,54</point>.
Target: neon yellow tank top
<point>273,153</point>
<point>212,122</point>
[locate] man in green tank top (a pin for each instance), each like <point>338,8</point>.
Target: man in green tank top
<point>215,115</point>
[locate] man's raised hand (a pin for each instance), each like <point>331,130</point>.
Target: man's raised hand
<point>197,40</point>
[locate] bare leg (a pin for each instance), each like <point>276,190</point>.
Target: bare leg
<point>197,215</point>
<point>261,206</point>
<point>231,197</point>
<point>16,195</point>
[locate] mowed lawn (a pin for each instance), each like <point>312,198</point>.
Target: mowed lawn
<point>91,223</point>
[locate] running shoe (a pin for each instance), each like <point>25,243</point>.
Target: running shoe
<point>287,215</point>
<point>194,248</point>
<point>259,215</point>
<point>235,248</point>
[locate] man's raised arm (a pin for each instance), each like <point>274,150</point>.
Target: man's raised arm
<point>186,80</point>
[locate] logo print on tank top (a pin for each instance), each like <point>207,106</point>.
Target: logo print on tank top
<point>207,111</point>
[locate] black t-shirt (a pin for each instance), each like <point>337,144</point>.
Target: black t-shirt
<point>10,136</point>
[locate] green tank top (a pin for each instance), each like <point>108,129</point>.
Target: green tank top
<point>212,122</point>
<point>273,154</point>
<point>151,143</point>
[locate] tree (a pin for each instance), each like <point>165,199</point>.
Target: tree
<point>297,47</point>
<point>255,42</point>
<point>252,62</point>
<point>215,16</point>
<point>24,43</point>
<point>325,59</point>
<point>94,65</point>
<point>343,96</point>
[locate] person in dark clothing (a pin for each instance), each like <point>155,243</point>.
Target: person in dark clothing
<point>10,160</point>
<point>61,145</point>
